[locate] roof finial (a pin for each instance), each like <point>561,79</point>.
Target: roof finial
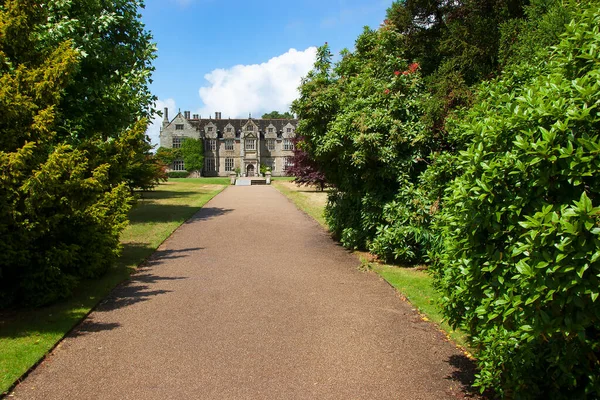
<point>250,115</point>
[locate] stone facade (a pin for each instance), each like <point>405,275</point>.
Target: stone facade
<point>232,144</point>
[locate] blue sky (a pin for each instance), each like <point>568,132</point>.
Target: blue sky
<point>242,57</point>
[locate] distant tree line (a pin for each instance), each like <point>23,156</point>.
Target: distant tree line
<point>278,115</point>
<point>465,134</point>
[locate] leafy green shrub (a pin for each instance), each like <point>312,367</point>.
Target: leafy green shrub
<point>342,214</point>
<point>167,155</point>
<point>520,264</point>
<point>178,174</point>
<point>361,123</point>
<point>192,151</point>
<point>405,235</point>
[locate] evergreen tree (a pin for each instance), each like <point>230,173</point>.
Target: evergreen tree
<point>63,192</point>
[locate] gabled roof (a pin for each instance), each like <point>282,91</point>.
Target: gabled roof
<point>179,118</point>
<point>238,124</point>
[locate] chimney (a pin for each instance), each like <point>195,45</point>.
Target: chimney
<point>217,115</point>
<point>186,114</point>
<point>195,116</point>
<point>165,117</point>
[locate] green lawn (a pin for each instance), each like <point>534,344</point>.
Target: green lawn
<point>415,285</point>
<point>27,335</point>
<point>218,180</point>
<point>282,178</point>
<point>309,200</point>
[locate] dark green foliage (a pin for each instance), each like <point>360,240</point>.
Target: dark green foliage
<point>167,155</point>
<point>520,264</point>
<point>456,43</point>
<point>524,39</point>
<point>110,91</point>
<point>192,151</point>
<point>64,192</point>
<point>362,124</point>
<point>145,170</point>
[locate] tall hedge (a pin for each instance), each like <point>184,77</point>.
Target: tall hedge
<point>361,123</point>
<point>375,121</point>
<point>520,262</point>
<point>64,179</point>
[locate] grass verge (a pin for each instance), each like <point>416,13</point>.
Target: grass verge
<point>417,287</point>
<point>308,200</point>
<point>413,284</point>
<point>26,335</point>
<point>282,178</point>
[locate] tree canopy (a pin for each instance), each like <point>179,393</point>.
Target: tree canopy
<point>278,115</point>
<point>73,90</point>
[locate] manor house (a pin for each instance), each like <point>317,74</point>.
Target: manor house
<point>240,145</point>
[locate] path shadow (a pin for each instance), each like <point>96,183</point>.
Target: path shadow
<point>133,252</point>
<point>156,212</point>
<point>130,294</point>
<point>464,375</point>
<point>164,194</point>
<point>168,254</point>
<point>169,212</point>
<point>139,287</point>
<point>90,326</point>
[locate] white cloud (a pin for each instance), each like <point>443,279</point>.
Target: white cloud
<point>154,127</point>
<point>256,88</point>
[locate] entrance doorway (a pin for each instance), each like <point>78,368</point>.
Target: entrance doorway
<point>250,170</point>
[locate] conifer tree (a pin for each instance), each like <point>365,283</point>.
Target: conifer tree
<point>62,201</point>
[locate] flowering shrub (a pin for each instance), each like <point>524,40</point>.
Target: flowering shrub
<point>369,144</point>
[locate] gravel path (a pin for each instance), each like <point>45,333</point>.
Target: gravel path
<point>251,299</point>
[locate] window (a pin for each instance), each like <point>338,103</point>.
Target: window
<point>210,165</point>
<point>270,144</point>
<point>250,127</point>
<point>178,165</point>
<point>210,129</point>
<point>178,127</point>
<point>229,164</point>
<point>229,144</point>
<point>289,130</point>
<point>212,144</point>
<point>287,163</point>
<point>270,130</point>
<point>250,144</point>
<point>288,144</point>
<point>177,140</point>
<point>229,129</point>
